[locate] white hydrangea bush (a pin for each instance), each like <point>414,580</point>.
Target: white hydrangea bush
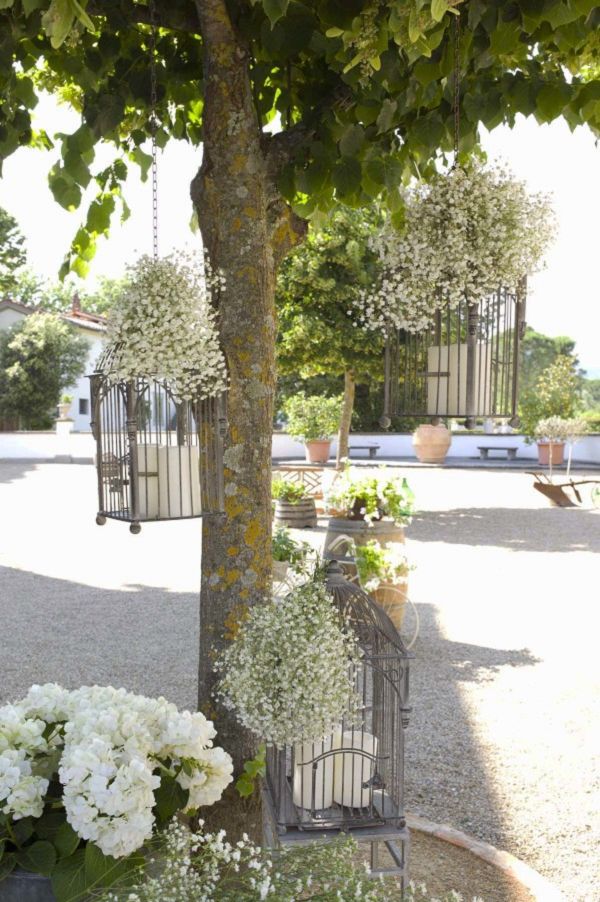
<point>163,326</point>
<point>466,233</point>
<point>288,674</point>
<point>110,751</point>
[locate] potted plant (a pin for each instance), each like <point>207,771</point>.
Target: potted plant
<point>314,420</point>
<point>383,572</point>
<point>86,778</point>
<point>294,506</point>
<point>64,406</point>
<point>552,434</point>
<point>368,505</point>
<point>431,443</point>
<point>288,554</point>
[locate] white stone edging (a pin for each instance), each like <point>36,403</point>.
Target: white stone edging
<point>540,887</point>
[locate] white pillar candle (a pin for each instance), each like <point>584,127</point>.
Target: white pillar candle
<point>352,769</point>
<point>179,481</point>
<point>313,787</point>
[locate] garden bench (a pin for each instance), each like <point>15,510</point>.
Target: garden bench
<point>372,449</point>
<point>484,450</point>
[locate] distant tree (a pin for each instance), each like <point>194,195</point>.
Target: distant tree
<point>317,287</point>
<point>12,252</point>
<point>58,296</point>
<point>591,394</point>
<point>538,352</point>
<point>557,393</point>
<point>39,358</point>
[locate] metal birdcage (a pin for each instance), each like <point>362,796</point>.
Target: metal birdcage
<point>466,365</point>
<point>157,458</point>
<point>352,780</point>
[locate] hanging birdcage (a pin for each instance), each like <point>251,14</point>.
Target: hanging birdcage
<point>466,365</point>
<point>352,780</point>
<point>157,458</point>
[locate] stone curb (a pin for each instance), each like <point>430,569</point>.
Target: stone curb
<point>522,873</point>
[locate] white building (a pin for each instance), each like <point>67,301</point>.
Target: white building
<point>91,327</point>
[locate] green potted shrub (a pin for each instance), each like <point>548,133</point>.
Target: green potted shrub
<point>294,506</point>
<point>365,506</point>
<point>552,434</point>
<point>314,420</point>
<point>551,403</point>
<point>288,554</point>
<point>383,572</point>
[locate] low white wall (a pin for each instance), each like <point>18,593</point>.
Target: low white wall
<point>391,445</point>
<point>81,445</point>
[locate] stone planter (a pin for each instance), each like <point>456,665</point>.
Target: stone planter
<point>21,886</point>
<point>558,453</point>
<point>392,598</point>
<point>431,443</point>
<point>280,571</point>
<point>63,411</point>
<point>298,515</point>
<point>384,531</point>
<point>317,452</point>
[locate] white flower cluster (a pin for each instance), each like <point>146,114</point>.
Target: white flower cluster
<point>466,234</point>
<point>108,748</point>
<point>163,326</point>
<point>289,672</point>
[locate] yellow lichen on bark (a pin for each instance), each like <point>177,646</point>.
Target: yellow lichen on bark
<point>252,533</point>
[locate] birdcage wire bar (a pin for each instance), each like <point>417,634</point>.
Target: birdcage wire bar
<point>352,780</point>
<point>157,457</point>
<point>466,365</point>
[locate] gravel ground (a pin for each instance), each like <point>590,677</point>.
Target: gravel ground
<point>505,679</point>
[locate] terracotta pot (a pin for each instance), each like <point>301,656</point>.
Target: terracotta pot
<point>392,598</point>
<point>317,452</point>
<point>558,453</point>
<point>297,514</point>
<point>431,443</point>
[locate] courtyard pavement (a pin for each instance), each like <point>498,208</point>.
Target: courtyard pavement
<point>503,736</point>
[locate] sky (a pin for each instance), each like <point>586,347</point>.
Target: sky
<point>564,299</point>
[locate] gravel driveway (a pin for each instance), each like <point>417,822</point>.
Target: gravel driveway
<point>503,736</point>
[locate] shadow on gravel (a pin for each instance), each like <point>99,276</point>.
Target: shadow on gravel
<point>447,777</point>
<point>11,470</point>
<point>54,630</point>
<point>519,529</point>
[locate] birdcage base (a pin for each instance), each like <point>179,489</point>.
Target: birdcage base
<point>395,839</point>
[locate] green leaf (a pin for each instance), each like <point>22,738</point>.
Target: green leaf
<point>386,115</point>
<point>39,858</point>
<point>352,140</point>
<point>99,214</point>
<point>104,870</point>
<point>275,9</point>
<point>551,101</point>
<point>334,32</point>
<point>22,830</point>
<point>346,176</point>
<point>48,825</point>
<point>30,6</point>
<point>7,864</point>
<point>170,798</point>
<point>414,29</point>
<point>244,785</point>
<point>439,8</point>
<point>68,878</point>
<point>6,4</point>
<point>66,840</point>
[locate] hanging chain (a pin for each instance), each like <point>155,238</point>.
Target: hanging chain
<point>456,99</point>
<point>154,127</point>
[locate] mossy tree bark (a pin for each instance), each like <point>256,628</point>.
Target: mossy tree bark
<point>343,450</point>
<point>246,230</point>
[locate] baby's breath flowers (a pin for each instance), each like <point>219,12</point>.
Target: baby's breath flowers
<point>109,751</point>
<point>466,234</point>
<point>288,674</point>
<point>163,326</point>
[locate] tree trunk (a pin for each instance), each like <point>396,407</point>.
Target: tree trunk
<point>244,234</point>
<point>343,452</point>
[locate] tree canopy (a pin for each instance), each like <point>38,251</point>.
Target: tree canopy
<point>360,91</point>
<point>39,358</point>
<point>12,252</point>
